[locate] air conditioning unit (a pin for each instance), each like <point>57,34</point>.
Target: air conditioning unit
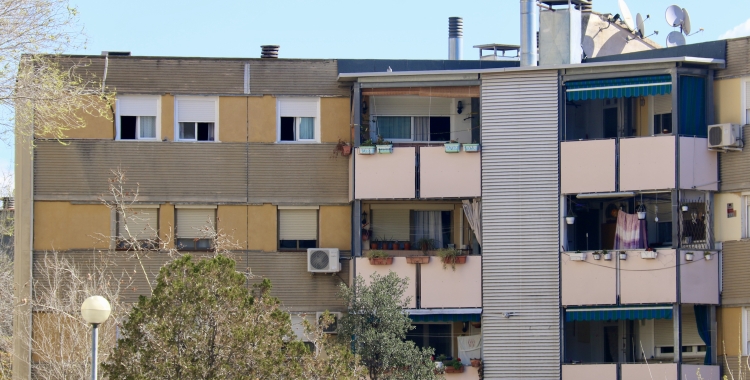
<point>725,137</point>
<point>333,327</point>
<point>323,260</point>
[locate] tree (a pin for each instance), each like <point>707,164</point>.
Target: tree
<point>203,323</point>
<point>376,327</point>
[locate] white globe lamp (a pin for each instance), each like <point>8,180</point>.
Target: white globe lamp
<point>95,311</point>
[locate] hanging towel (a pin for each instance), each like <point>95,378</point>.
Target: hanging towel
<point>631,232</point>
<point>469,347</point>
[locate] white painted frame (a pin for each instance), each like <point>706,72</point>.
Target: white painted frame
<point>177,118</point>
<point>316,140</point>
<point>744,334</point>
<point>155,98</point>
<point>452,125</point>
<point>745,114</point>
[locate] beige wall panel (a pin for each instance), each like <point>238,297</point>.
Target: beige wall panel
<point>262,119</point>
<point>334,120</point>
<point>649,371</point>
<point>463,169</point>
<point>400,267</point>
<point>727,100</point>
<point>262,228</point>
<point>587,166</point>
<point>699,282</point>
<point>62,226</point>
<point>698,165</point>
<point>383,176</point>
<point>166,224</point>
<point>167,117</point>
<point>97,126</point>
<point>233,118</point>
<point>648,281</point>
<point>589,372</point>
<point>577,277</point>
<point>729,321</point>
<point>438,284</point>
<point>335,227</point>
<point>232,221</point>
<point>647,163</point>
<point>726,228</point>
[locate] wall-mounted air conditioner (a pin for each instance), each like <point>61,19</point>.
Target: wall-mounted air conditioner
<point>725,137</point>
<point>333,327</point>
<point>323,260</point>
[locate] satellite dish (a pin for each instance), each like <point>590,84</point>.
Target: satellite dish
<point>674,15</point>
<point>675,39</point>
<point>588,46</point>
<point>685,22</point>
<point>627,18</point>
<point>639,24</point>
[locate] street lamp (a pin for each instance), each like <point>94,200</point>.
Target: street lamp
<point>95,310</point>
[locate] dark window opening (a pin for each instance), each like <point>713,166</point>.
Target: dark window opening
<point>297,244</point>
<point>667,350</point>
<point>440,128</point>
<point>437,336</point>
<point>663,123</point>
<point>287,129</point>
<point>205,131</point>
<point>192,244</point>
<point>127,127</point>
<point>610,123</point>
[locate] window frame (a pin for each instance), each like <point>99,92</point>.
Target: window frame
<point>745,335</point>
<point>118,223</point>
<point>177,237</point>
<point>745,114</point>
<point>278,228</point>
<point>177,120</point>
<point>316,121</point>
<point>118,114</point>
<point>373,119</point>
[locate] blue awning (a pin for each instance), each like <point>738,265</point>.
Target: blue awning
<point>612,313</point>
<point>445,315</point>
<point>619,87</point>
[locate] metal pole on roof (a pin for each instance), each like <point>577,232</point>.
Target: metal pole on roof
<point>529,26</point>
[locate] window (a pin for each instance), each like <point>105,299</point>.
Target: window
<point>661,106</point>
<point>437,336</point>
<point>136,117</point>
<point>194,224</point>
<point>414,128</point>
<point>137,224</point>
<point>196,118</point>
<point>298,228</point>
<point>298,120</point>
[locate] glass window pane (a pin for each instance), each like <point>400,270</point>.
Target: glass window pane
<point>440,128</point>
<point>287,129</point>
<point>394,127</point>
<point>148,127</point>
<point>288,244</point>
<point>187,131</point>
<point>304,244</point>
<point>307,128</point>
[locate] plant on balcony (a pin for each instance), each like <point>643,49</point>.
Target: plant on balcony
<point>606,254</point>
<point>475,362</point>
<point>367,147</point>
<point>378,257</point>
<point>707,255</point>
<point>471,148</point>
<point>451,256</point>
<point>577,256</point>
<point>407,245</point>
<point>426,244</point>
<point>452,147</point>
<point>688,256</point>
<point>374,243</point>
<point>417,259</point>
<point>384,146</point>
<point>453,366</point>
<point>597,255</point>
<point>649,254</point>
<point>623,255</point>
<point>343,148</point>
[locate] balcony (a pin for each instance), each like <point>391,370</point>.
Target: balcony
<point>440,174</point>
<point>641,281</point>
<point>638,371</point>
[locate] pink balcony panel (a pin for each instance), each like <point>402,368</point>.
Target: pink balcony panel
<point>587,166</point>
<point>649,371</point>
<point>590,282</point>
<point>385,176</point>
<point>700,278</point>
<point>446,288</point>
<point>400,267</point>
<point>589,372</point>
<point>647,163</point>
<point>648,280</point>
<point>449,175</point>
<point>698,165</point>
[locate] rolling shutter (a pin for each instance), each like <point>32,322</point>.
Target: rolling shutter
<point>137,105</point>
<point>190,221</point>
<point>662,104</point>
<point>298,224</point>
<point>410,106</point>
<point>140,223</point>
<point>391,224</point>
<point>196,110</point>
<point>298,107</point>
<point>664,330</point>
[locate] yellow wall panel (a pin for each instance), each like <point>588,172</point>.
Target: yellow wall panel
<point>166,224</point>
<point>262,228</point>
<point>232,221</point>
<point>335,226</point>
<point>725,228</point>
<point>233,118</point>
<point>62,226</point>
<point>262,119</point>
<point>334,119</point>
<point>727,100</point>
<point>167,117</point>
<point>96,126</point>
<point>729,321</point>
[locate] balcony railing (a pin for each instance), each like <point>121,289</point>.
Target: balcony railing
<point>638,371</point>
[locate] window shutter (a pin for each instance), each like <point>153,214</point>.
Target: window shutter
<point>391,224</point>
<point>747,333</point>
<point>662,104</point>
<point>191,221</point>
<point>197,110</point>
<point>140,222</point>
<point>663,333</point>
<point>137,105</point>
<point>298,224</point>
<point>747,96</point>
<point>300,107</point>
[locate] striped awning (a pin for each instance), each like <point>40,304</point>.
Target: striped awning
<point>619,87</point>
<point>612,313</point>
<point>445,315</point>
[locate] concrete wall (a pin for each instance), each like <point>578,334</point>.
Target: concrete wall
<point>698,165</point>
<point>335,227</point>
<point>449,175</point>
<point>647,163</point>
<point>233,118</point>
<point>446,288</point>
<point>587,166</point>
<point>729,321</point>
<point>96,126</point>
<point>590,282</point>
<point>262,227</point>
<point>589,372</point>
<point>167,224</point>
<point>167,117</point>
<point>262,121</point>
<point>384,176</point>
<point>335,119</point>
<point>400,267</point>
<point>62,226</point>
<point>648,281</point>
<point>725,228</point>
<point>700,279</point>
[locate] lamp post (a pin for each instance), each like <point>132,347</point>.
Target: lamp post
<point>95,310</point>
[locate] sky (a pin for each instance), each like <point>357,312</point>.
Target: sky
<point>405,29</point>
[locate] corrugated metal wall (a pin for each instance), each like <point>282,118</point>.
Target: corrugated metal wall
<point>520,225</point>
<point>735,171</point>
<point>735,273</point>
<point>738,58</point>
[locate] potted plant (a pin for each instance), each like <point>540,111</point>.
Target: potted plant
<point>607,255</point>
<point>417,259</point>
<point>597,255</point>
<point>378,257</point>
<point>395,245</point>
<point>452,147</point>
<point>475,362</point>
<point>571,217</point>
<point>407,245</point>
<point>623,255</point>
<point>688,256</point>
<point>648,254</point>
<point>374,243</point>
<point>343,148</point>
<point>384,146</point>
<point>578,256</point>
<point>471,148</point>
<point>451,256</point>
<point>641,211</point>
<point>453,366</point>
<point>707,255</point>
<point>367,147</point>
<point>426,244</point>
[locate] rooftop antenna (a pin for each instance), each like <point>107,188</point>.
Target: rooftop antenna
<point>675,39</point>
<point>674,16</point>
<point>685,22</point>
<point>677,16</point>
<point>627,18</point>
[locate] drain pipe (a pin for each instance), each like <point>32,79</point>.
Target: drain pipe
<point>529,27</point>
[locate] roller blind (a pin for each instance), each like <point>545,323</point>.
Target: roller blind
<point>137,105</point>
<point>298,224</point>
<point>298,107</point>
<point>191,221</point>
<point>196,110</point>
<point>410,106</point>
<point>391,224</point>
<point>662,104</point>
<point>664,333</point>
<point>140,223</point>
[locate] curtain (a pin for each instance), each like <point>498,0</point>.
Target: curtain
<point>428,224</point>
<point>307,128</point>
<point>422,128</point>
<point>703,322</point>
<point>630,232</point>
<point>394,127</point>
<point>473,211</point>
<point>148,127</point>
<point>692,106</point>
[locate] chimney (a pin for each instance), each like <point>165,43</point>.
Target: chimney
<point>269,51</point>
<point>455,38</point>
<point>529,26</point>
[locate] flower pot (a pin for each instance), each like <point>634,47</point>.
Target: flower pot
<point>688,256</point>
<point>373,245</point>
<point>407,245</point>
<point>471,148</point>
<point>707,257</point>
<point>597,256</point>
<point>450,369</point>
<point>382,245</point>
<point>367,149</point>
<point>476,363</point>
<point>346,150</point>
<point>624,256</point>
<point>385,149</point>
<point>641,215</point>
<point>452,147</point>
<point>608,256</point>
<point>417,259</point>
<point>395,246</point>
<point>455,260</point>
<point>578,256</point>
<point>381,261</point>
<point>648,255</point>
<point>570,219</point>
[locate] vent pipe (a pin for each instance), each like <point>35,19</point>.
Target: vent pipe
<point>269,51</point>
<point>529,26</point>
<point>455,38</point>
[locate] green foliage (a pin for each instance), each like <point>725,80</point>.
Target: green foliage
<point>426,244</point>
<point>448,255</point>
<point>376,329</point>
<point>376,254</point>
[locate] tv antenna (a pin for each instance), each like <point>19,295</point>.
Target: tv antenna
<point>675,39</point>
